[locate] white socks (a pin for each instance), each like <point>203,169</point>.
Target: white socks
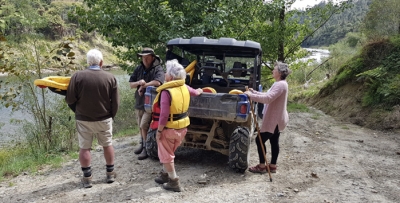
<point>172,175</point>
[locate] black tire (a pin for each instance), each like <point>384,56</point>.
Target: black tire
<point>239,146</point>
<point>151,144</point>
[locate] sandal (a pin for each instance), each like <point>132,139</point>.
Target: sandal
<point>258,169</point>
<point>272,169</point>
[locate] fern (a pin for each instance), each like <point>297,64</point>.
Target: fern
<point>372,74</point>
<point>390,91</point>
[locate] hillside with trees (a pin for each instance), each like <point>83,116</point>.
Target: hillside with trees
<point>365,89</point>
<point>21,18</point>
<point>349,21</point>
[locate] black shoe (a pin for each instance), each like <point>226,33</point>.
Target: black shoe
<point>139,149</point>
<point>143,154</point>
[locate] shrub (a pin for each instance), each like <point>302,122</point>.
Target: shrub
<point>125,120</point>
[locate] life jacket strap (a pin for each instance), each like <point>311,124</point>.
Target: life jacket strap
<point>174,116</point>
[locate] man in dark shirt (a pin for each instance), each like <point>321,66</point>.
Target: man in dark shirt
<point>148,73</point>
<point>94,93</point>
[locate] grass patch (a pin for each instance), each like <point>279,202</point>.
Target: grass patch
<point>134,143</point>
<point>315,116</point>
<point>73,155</point>
<point>345,127</point>
<point>127,132</point>
<point>17,159</point>
<point>297,107</point>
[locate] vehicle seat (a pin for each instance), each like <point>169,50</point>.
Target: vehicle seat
<point>185,62</point>
<point>207,73</point>
<point>239,69</point>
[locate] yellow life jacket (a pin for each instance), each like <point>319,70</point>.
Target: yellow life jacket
<point>180,99</point>
<point>57,82</point>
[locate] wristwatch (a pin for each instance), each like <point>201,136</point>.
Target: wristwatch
<point>159,131</point>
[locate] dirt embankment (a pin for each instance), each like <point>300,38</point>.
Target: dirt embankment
<point>321,160</point>
<point>345,104</point>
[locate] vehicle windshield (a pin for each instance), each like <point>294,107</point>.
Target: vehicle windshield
<point>222,64</point>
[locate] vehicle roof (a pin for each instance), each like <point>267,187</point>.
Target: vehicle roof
<point>231,47</point>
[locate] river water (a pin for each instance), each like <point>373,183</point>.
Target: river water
<point>318,55</point>
<point>8,129</point>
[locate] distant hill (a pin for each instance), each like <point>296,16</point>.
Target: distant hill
<point>339,25</point>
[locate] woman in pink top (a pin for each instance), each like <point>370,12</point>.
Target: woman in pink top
<point>275,116</point>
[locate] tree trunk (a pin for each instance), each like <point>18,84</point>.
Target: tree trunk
<point>281,40</point>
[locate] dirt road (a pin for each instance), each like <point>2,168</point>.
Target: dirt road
<point>321,160</point>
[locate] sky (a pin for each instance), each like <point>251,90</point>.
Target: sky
<point>305,3</point>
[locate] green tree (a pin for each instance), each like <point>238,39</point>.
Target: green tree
<point>350,20</point>
<point>134,24</point>
<point>19,18</point>
<point>382,19</point>
<point>137,23</point>
<point>286,29</point>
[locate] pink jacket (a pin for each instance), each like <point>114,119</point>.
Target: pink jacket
<point>275,112</point>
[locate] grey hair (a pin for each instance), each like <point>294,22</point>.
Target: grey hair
<point>283,69</point>
<point>94,57</point>
<point>176,70</point>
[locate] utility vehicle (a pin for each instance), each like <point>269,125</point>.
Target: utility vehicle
<point>220,121</point>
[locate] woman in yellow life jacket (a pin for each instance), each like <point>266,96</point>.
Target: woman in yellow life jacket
<point>170,118</point>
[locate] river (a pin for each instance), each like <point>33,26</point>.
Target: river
<point>317,54</point>
<point>8,129</point>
